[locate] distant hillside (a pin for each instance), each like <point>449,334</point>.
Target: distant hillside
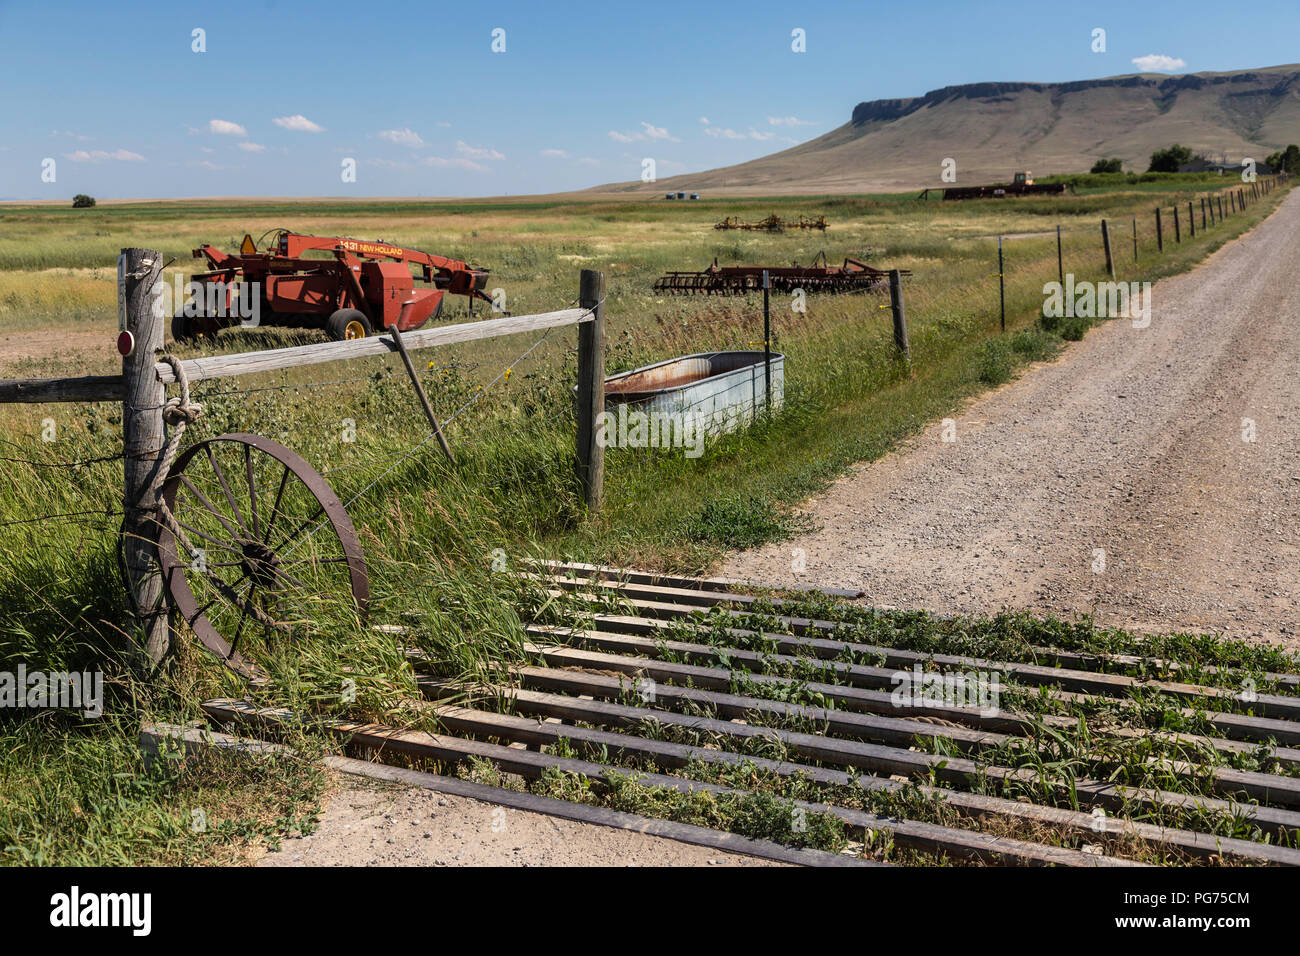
<point>992,129</point>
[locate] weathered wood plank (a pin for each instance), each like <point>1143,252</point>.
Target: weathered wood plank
<point>713,585</point>
<point>970,804</point>
<point>152,735</point>
<point>246,363</point>
<point>1112,796</point>
<point>670,602</point>
<point>87,388</point>
<point>923,836</point>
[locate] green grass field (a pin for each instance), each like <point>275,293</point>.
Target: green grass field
<point>430,528</point>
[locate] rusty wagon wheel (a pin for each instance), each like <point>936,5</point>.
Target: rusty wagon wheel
<point>268,551</point>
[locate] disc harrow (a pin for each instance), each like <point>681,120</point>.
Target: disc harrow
<point>853,276</point>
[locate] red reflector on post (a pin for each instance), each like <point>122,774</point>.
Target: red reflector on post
<point>126,343</point>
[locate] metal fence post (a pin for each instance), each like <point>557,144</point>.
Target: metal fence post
<point>1060,259</point>
<point>767,342</point>
<point>1002,286</point>
<point>591,389</point>
<point>1105,245</point>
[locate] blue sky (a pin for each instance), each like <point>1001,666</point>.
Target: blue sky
<point>413,92</point>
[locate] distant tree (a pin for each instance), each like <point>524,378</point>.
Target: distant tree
<point>1168,160</point>
<point>1108,166</point>
<point>82,201</point>
<point>1285,160</point>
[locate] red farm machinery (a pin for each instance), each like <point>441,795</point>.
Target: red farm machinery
<point>351,288</point>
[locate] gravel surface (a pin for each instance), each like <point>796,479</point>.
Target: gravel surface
<point>1131,444</point>
<point>369,823</point>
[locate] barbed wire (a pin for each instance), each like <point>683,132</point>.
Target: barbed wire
<point>62,516</point>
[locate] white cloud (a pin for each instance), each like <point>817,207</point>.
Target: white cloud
<point>298,123</point>
<point>252,147</point>
<point>789,121</point>
<point>647,131</point>
<point>555,154</point>
<point>402,137</point>
<point>588,161</point>
<point>477,152</point>
<point>99,156</point>
<point>226,128</point>
<point>457,162</point>
<point>724,132</point>
<point>657,132</point>
<point>1159,63</point>
<point>704,120</point>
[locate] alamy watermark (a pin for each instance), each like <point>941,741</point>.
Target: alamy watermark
<point>633,428</point>
<point>973,690</point>
<point>1098,300</point>
<point>133,911</point>
<point>216,299</point>
<point>63,690</point>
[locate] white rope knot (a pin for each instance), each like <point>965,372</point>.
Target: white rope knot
<point>180,411</point>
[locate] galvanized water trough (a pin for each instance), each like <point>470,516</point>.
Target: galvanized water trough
<point>719,390</point>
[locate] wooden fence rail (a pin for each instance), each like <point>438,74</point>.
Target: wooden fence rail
<point>142,390</point>
<point>247,363</point>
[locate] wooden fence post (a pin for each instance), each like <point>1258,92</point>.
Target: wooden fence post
<point>1232,201</point>
<point>1202,213</point>
<point>143,442</point>
<point>1178,229</point>
<point>591,389</point>
<point>1160,233</point>
<point>1220,199</point>
<point>1135,238</point>
<point>900,320</point>
<point>1191,218</point>
<point>1105,245</point>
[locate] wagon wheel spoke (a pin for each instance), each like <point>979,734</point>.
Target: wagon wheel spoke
<point>266,586</point>
<point>239,629</point>
<point>314,519</point>
<point>212,509</point>
<point>252,489</point>
<point>225,487</point>
<point>275,508</point>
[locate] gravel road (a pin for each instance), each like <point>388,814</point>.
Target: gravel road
<point>1130,447</point>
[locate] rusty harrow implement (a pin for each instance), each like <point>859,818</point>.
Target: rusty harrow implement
<point>774,223</point>
<point>853,276</point>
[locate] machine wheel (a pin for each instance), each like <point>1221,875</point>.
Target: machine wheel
<point>187,328</point>
<point>348,324</point>
<point>275,553</point>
